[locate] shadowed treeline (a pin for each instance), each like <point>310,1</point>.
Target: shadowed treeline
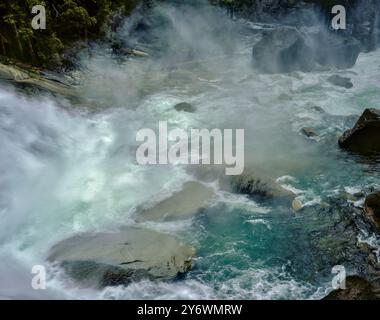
<point>67,21</point>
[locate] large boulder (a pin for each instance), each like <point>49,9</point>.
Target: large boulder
<point>181,205</point>
<point>283,50</point>
<point>257,186</point>
<point>357,288</point>
<point>372,209</point>
<point>335,51</point>
<point>118,258</point>
<point>364,138</point>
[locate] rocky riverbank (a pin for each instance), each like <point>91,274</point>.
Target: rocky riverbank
<point>362,139</point>
<point>34,79</point>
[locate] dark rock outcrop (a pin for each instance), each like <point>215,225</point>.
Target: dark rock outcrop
<point>283,50</point>
<point>287,49</point>
<point>357,288</point>
<point>364,138</point>
<point>185,107</point>
<point>334,50</point>
<point>372,209</point>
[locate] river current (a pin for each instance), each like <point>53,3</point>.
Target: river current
<point>69,167</point>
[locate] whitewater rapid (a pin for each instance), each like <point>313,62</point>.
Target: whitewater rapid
<point>70,168</point>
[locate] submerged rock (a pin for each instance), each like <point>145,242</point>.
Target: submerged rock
<point>283,50</point>
<point>339,81</point>
<point>372,209</point>
<point>364,138</point>
<point>259,186</point>
<point>357,288</point>
<point>181,205</point>
<point>309,132</point>
<point>185,107</point>
<point>132,254</point>
<point>318,109</point>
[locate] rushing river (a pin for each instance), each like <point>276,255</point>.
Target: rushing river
<point>69,167</point>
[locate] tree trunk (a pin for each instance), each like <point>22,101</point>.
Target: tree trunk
<point>3,45</point>
<point>31,50</point>
<point>85,35</point>
<point>18,39</point>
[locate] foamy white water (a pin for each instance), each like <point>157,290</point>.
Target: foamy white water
<point>66,169</point>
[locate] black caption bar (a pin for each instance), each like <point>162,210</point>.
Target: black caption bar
<point>157,309</point>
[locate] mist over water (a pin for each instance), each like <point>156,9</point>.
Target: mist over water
<point>67,168</point>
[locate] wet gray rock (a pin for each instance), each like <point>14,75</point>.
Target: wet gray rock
<point>364,137</point>
<point>118,258</point>
<point>257,186</point>
<point>185,107</point>
<point>340,81</point>
<point>372,209</point>
<point>181,205</point>
<point>357,288</point>
<point>309,132</point>
<point>100,275</point>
